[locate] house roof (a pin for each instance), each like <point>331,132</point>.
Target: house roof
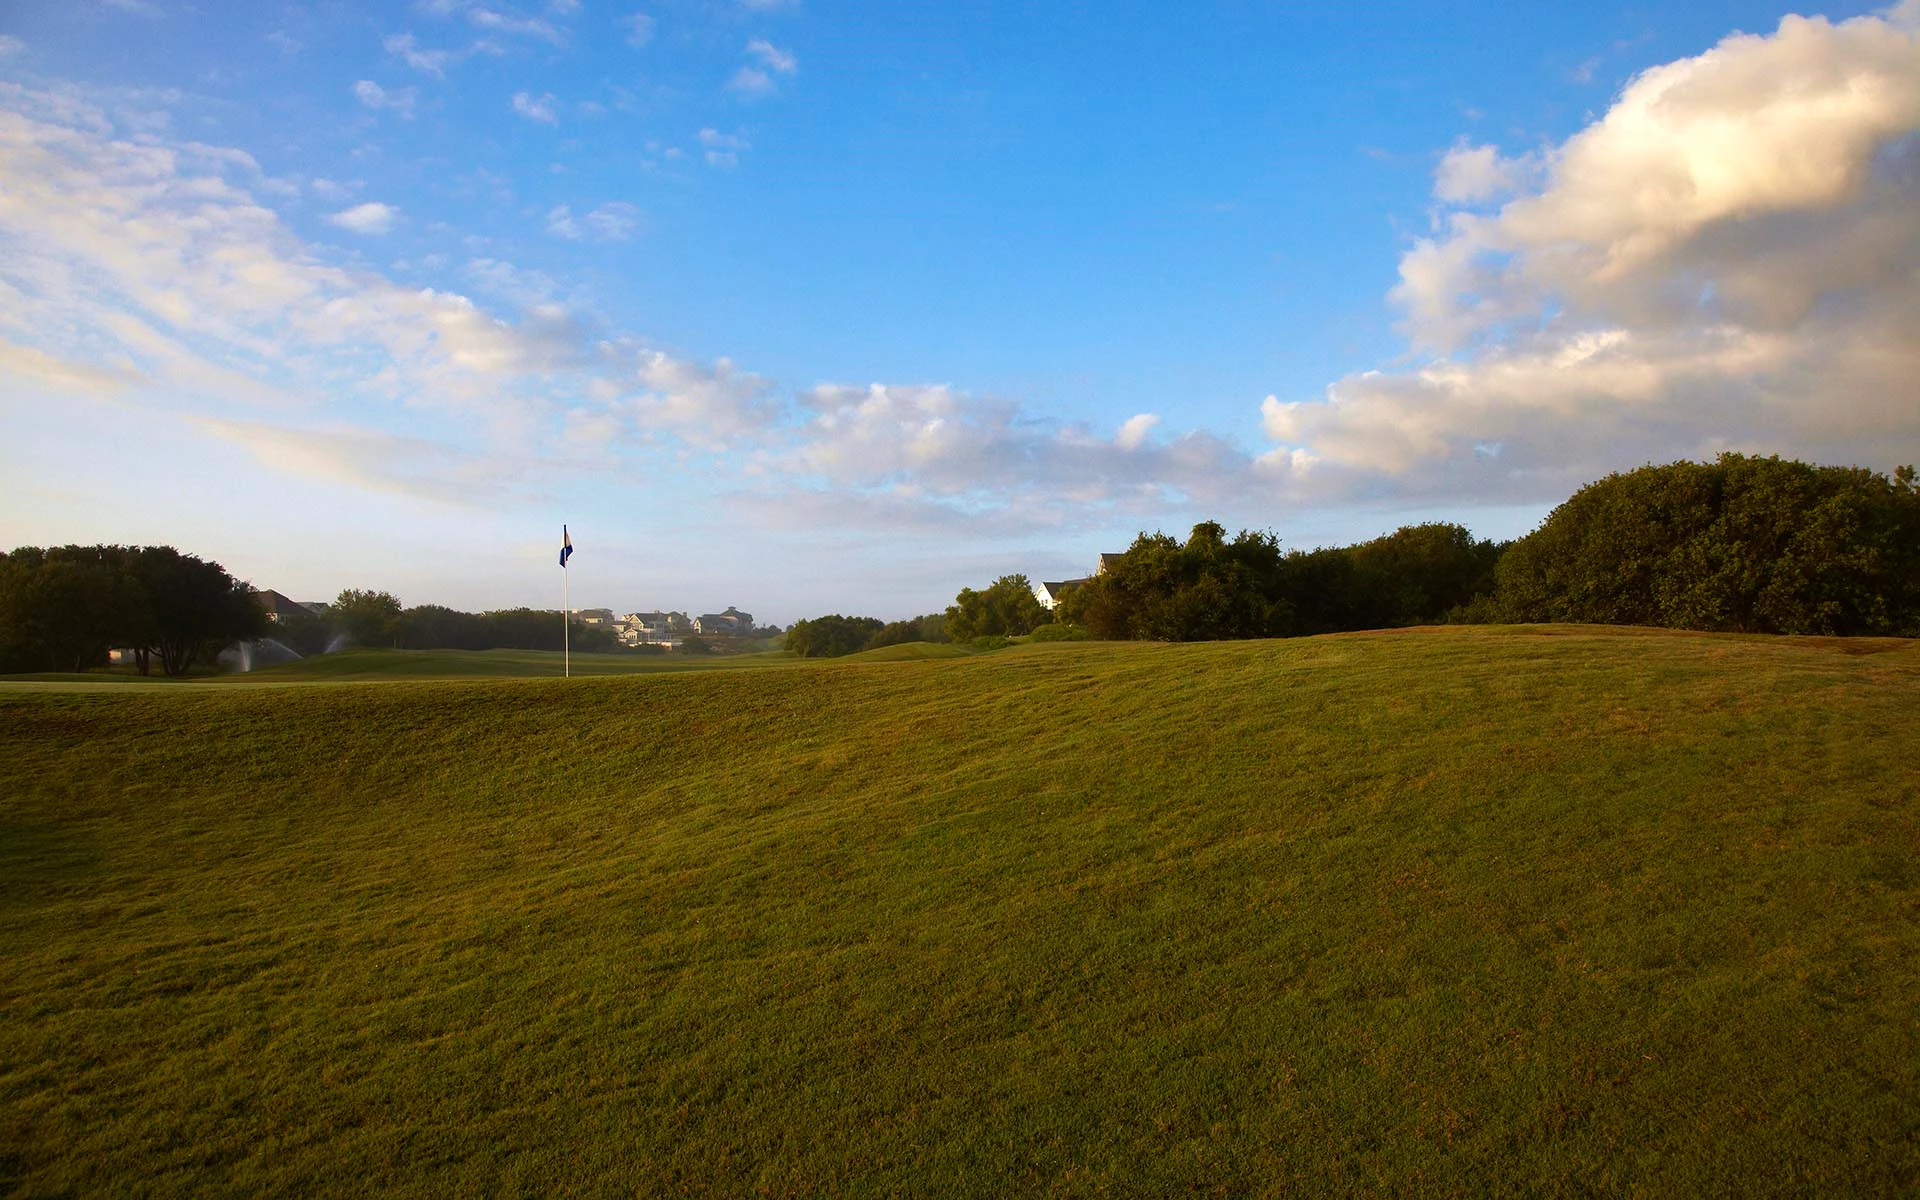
<point>277,602</point>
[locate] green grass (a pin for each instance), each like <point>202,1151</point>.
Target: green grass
<point>912,652</point>
<point>1466,912</point>
<point>368,665</point>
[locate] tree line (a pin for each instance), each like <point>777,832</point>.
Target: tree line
<point>359,617</point>
<point>1743,544</point>
<point>62,608</point>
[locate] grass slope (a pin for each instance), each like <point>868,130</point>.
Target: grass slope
<point>368,665</point>
<point>1554,912</point>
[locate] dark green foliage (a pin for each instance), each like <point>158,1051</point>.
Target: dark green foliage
<point>1060,632</point>
<point>1742,544</point>
<point>831,636</point>
<point>436,627</point>
<point>929,627</point>
<point>1205,590</point>
<point>367,618</point>
<point>1415,575</point>
<point>303,631</point>
<point>62,608</point>
<point>1007,608</point>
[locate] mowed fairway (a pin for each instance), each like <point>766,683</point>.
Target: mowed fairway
<point>1474,912</point>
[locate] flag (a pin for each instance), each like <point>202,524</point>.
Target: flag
<point>566,546</point>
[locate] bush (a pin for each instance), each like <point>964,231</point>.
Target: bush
<point>1742,544</point>
<point>831,636</point>
<point>1059,632</point>
<point>1008,607</point>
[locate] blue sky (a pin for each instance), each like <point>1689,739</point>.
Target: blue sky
<point>811,306</point>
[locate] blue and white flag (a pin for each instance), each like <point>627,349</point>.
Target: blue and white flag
<point>566,546</point>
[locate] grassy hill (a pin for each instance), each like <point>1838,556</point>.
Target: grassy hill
<point>1521,912</point>
<point>363,665</point>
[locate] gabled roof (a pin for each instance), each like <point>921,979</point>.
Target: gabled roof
<point>276,602</point>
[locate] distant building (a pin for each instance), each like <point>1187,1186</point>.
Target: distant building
<point>638,627</point>
<point>1049,594</point>
<point>730,622</point>
<point>278,608</point>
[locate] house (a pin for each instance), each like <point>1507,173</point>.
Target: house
<point>637,627</point>
<point>278,608</point>
<point>594,616</point>
<point>1049,594</point>
<point>708,624</point>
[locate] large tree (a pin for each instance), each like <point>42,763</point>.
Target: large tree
<point>366,617</point>
<point>1742,544</point>
<point>192,607</point>
<point>1006,608</point>
<point>831,636</point>
<point>1201,590</point>
<point>62,608</point>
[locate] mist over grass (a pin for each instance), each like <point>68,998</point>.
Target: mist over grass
<point>1525,912</point>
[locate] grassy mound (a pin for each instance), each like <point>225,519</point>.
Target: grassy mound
<point>911,652</point>
<point>1460,912</point>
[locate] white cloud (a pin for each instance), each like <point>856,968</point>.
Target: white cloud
<point>141,261</point>
<point>10,45</point>
<point>722,149</point>
<point>1728,258</point>
<point>428,62</point>
<point>332,191</point>
<point>772,57</point>
<point>371,217</point>
<point>751,81</point>
<point>614,221</point>
<point>537,108</point>
<point>757,78</point>
<point>376,97</point>
<point>1472,174</point>
<point>25,362</point>
<point>639,27</point>
<point>710,407</point>
<point>950,448</point>
<point>531,27</point>
<point>280,39</point>
<point>1133,432</point>
<point>141,8</point>
<point>366,458</point>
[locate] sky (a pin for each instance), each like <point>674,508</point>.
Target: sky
<point>809,307</point>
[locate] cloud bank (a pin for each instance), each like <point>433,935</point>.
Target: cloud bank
<point>1729,258</point>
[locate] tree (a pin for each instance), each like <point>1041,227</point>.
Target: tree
<point>194,607</point>
<point>367,618</point>
<point>830,636</point>
<point>930,627</point>
<point>1742,544</point>
<point>1205,589</point>
<point>1007,608</point>
<point>61,608</point>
